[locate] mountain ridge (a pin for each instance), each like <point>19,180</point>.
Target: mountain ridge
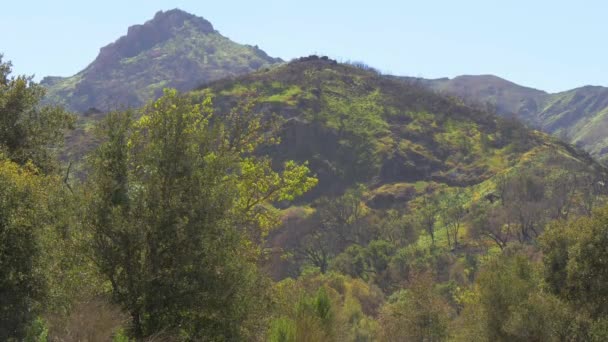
<point>577,115</point>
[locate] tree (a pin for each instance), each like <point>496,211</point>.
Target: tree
<point>576,259</point>
<point>509,304</point>
<point>492,222</point>
<point>29,135</point>
<point>345,216</point>
<point>28,131</point>
<point>337,223</point>
<point>23,285</point>
<point>396,227</point>
<point>427,215</point>
<point>176,205</point>
<point>452,215</point>
<point>416,314</point>
<point>525,202</point>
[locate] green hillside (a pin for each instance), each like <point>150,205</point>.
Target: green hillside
<point>578,116</point>
<point>174,49</point>
<point>354,125</point>
<point>307,201</point>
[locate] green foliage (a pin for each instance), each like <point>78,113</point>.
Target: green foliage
<point>24,217</point>
<point>508,304</point>
<point>29,132</point>
<point>331,307</point>
<point>29,135</point>
<point>282,330</point>
<point>415,314</point>
<point>37,331</point>
<point>166,191</point>
<point>575,256</point>
<point>430,203</point>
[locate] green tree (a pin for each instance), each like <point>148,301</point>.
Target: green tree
<point>177,202</point>
<point>337,223</point>
<point>29,137</point>
<point>416,314</point>
<point>28,131</point>
<point>576,261</point>
<point>452,215</point>
<point>426,215</point>
<point>23,285</point>
<point>508,304</point>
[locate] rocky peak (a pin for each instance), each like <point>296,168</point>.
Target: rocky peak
<point>139,38</point>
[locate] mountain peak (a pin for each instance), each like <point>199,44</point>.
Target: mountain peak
<point>174,49</point>
<point>162,27</point>
<point>176,18</point>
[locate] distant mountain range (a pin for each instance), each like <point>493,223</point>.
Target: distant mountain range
<point>174,49</point>
<point>578,116</point>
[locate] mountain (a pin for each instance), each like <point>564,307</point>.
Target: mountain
<point>174,49</point>
<point>578,116</point>
<point>506,96</point>
<point>400,143</point>
<point>356,126</point>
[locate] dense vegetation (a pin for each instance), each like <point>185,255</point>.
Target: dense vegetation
<point>313,201</point>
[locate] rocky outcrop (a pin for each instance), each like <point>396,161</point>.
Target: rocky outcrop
<point>143,37</point>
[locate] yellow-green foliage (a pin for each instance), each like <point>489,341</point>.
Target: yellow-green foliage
<point>288,96</point>
<point>353,304</point>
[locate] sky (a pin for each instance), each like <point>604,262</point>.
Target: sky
<point>550,45</point>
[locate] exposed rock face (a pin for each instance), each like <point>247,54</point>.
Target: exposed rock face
<point>143,37</point>
<point>174,49</point>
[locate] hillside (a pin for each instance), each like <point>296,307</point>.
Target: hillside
<point>196,189</point>
<point>397,148</point>
<point>174,49</point>
<point>577,116</point>
<point>382,203</point>
<point>355,126</point>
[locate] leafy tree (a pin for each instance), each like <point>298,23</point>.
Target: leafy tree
<point>509,304</point>
<point>426,215</point>
<point>575,259</point>
<point>23,286</point>
<point>177,202</point>
<point>345,216</point>
<point>416,314</point>
<point>397,228</point>
<point>492,222</point>
<point>282,330</point>
<point>29,135</point>
<point>331,307</point>
<point>452,215</point>
<point>28,131</point>
<point>336,224</point>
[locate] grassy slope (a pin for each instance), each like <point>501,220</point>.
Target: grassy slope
<point>581,117</point>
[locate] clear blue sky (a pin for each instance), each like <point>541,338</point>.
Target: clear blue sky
<point>551,45</point>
